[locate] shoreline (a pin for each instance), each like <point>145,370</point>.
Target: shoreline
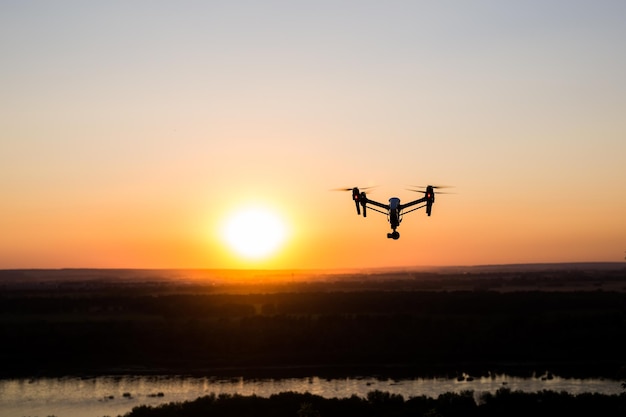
<point>590,370</point>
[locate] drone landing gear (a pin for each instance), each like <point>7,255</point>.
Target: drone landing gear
<point>395,235</point>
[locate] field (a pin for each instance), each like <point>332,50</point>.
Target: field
<point>565,319</point>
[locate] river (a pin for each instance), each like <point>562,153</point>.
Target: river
<point>115,395</point>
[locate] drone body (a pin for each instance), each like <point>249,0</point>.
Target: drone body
<point>394,210</point>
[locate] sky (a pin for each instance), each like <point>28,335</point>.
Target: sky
<point>132,131</point>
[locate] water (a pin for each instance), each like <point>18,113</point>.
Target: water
<point>113,396</point>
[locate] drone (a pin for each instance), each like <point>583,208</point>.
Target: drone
<point>394,210</point>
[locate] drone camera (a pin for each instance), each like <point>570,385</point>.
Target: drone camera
<point>395,235</point>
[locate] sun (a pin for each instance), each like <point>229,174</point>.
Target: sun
<point>254,233</point>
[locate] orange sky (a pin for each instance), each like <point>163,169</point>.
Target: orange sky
<point>130,132</point>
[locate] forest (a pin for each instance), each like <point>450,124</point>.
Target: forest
<point>394,327</point>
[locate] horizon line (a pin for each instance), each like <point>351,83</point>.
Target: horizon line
<point>330,270</point>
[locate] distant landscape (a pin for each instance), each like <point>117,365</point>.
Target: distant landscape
<point>568,319</point>
<point>542,275</point>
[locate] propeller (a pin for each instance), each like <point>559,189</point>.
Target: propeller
<point>352,188</point>
<point>358,195</point>
<point>432,186</point>
<point>424,191</point>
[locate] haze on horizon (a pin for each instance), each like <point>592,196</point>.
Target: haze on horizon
<point>131,131</point>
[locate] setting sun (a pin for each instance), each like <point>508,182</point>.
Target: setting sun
<point>254,233</point>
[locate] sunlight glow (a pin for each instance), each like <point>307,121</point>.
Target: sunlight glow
<point>254,233</point>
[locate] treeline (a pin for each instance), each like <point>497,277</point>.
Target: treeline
<point>313,302</point>
<point>289,404</point>
<point>581,334</point>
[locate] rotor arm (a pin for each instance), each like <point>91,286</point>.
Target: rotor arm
<point>414,202</point>
<point>379,211</point>
<point>376,203</point>
<point>416,208</point>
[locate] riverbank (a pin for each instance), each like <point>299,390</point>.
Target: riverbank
<point>577,370</point>
<point>117,395</point>
<point>503,402</point>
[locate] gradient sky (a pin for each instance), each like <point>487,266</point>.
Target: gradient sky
<point>129,130</point>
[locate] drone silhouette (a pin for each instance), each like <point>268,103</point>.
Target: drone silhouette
<point>394,210</point>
